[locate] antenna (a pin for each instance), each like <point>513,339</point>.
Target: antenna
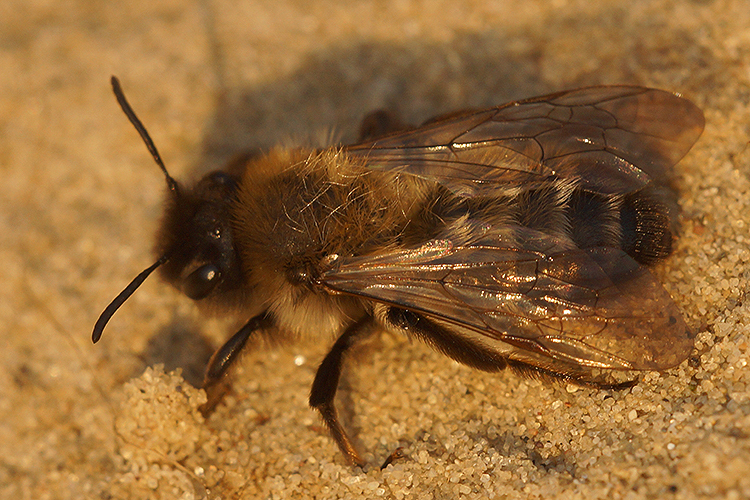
<point>120,95</point>
<point>173,187</point>
<point>122,297</point>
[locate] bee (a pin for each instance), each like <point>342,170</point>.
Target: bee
<point>510,237</point>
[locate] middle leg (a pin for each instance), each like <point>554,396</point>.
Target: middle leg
<point>326,383</point>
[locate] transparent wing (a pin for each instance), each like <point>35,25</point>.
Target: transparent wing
<point>614,139</point>
<point>590,308</point>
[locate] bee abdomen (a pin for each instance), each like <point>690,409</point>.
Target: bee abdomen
<point>646,226</point>
<point>639,223</point>
<point>594,219</point>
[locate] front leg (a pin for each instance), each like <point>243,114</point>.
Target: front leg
<point>225,356</point>
<point>326,383</point>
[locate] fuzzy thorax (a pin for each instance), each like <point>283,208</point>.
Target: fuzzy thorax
<point>296,208</point>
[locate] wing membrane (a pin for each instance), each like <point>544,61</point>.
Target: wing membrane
<point>614,139</point>
<point>593,307</point>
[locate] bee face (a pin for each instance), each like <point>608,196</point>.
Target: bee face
<point>197,236</point>
<point>510,237</point>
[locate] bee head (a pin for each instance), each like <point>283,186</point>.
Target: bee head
<point>196,248</point>
<point>197,238</point>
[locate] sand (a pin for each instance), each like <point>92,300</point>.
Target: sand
<point>80,199</point>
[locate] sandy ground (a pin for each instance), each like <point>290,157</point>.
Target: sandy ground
<point>80,199</point>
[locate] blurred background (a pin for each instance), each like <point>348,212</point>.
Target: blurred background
<point>80,198</point>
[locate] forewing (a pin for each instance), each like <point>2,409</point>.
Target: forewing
<point>592,308</point>
<point>614,139</point>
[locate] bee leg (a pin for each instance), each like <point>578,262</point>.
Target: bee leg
<point>223,358</point>
<point>397,454</point>
<point>326,383</point>
<point>558,374</point>
<point>441,338</point>
<point>379,123</point>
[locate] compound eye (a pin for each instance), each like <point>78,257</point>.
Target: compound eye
<point>222,178</point>
<point>201,282</point>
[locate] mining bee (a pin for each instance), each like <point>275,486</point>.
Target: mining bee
<point>516,236</point>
